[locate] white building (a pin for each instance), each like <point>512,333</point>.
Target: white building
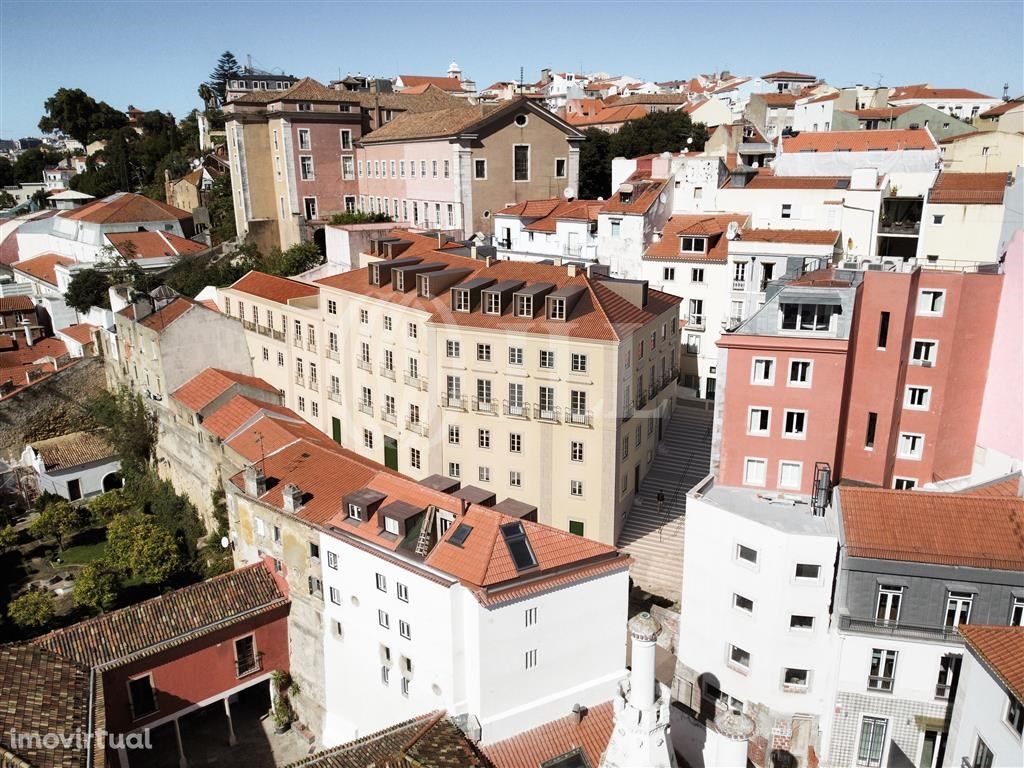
<point>815,113</point>
<point>963,218</point>
<point>552,229</point>
<point>988,716</point>
<point>75,466</point>
<point>961,103</point>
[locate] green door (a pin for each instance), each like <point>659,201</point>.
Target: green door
<point>390,452</point>
<point>336,429</point>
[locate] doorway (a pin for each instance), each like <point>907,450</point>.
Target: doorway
<point>390,452</point>
<point>336,429</point>
<point>636,479</point>
<point>711,388</point>
<point>932,748</point>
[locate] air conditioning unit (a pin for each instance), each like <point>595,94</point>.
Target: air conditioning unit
<point>875,267</point>
<point>849,265</point>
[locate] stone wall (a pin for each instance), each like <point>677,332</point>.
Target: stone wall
<point>52,407</point>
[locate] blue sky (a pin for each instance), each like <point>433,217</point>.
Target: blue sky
<point>153,54</point>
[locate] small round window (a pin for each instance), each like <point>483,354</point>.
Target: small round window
<point>487,214</point>
<point>521,120</point>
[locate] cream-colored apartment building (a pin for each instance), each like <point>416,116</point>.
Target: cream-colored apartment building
<point>526,381</point>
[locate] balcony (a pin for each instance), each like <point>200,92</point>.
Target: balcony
<point>387,373</point>
<point>516,410</point>
<point>278,335</point>
<point>314,383</point>
<point>416,382</point>
<point>579,418</point>
<point>739,285</point>
<point>506,244</point>
<point>484,406</point>
<point>416,426</point>
<point>300,379</point>
<point>366,365</point>
<point>900,629</point>
<point>641,400</point>
<point>627,411</point>
<point>695,323</point>
<point>335,396</point>
<point>263,330</point>
<point>456,402</point>
<point>311,346</point>
<point>548,413</point>
<point>389,416</point>
<point>332,354</point>
<point>249,325</point>
<point>366,408</point>
<point>297,341</point>
<point>572,251</point>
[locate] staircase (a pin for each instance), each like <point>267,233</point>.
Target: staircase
<point>655,537</point>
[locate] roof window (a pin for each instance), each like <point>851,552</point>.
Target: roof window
<point>518,546</point>
<point>460,534</point>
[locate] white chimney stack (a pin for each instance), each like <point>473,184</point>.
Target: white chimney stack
<point>644,630</point>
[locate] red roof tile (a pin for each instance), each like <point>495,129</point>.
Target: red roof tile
<point>450,84</point>
<point>163,317</point>
<point>712,227</point>
<point>536,746</point>
<point>82,332</point>
<point>1010,485</point>
<point>18,303</point>
<point>879,113</point>
<point>924,92</point>
<point>545,213</point>
<point>610,115</point>
<point>787,75</point>
<point>125,207</point>
<point>939,528</point>
<point>825,97</point>
<point>1003,108</point>
<point>778,99</point>
<point>770,181</point>
<point>206,386</point>
<point>1002,651</point>
<point>273,288</point>
<point>43,267</point>
<point>152,245</point>
<point>795,236</point>
<point>859,141</point>
<point>227,419</point>
<point>645,194</point>
<point>74,449</point>
<point>969,188</point>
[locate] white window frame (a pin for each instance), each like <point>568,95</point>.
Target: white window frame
<point>909,405</point>
<point>770,381</point>
<point>790,382</point>
<point>794,435</point>
<point>921,361</point>
<point>302,169</point>
<point>903,454</point>
<point>759,432</point>
<point>308,147</point>
<point>800,474</point>
<point>736,597</point>
<point>933,295</point>
<point>897,486</point>
<point>738,556</point>
<point>747,461</point>
<point>347,168</point>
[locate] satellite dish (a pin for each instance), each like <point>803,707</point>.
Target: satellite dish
<point>732,230</point>
<point>224,542</point>
<point>689,140</point>
<point>755,164</point>
<point>663,198</point>
<point>569,193</point>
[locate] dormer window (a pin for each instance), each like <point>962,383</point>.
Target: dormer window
<point>492,303</point>
<point>693,245</point>
<point>462,303</point>
<point>354,512</point>
<point>524,306</point>
<point>808,317</point>
<point>556,309</point>
<point>305,106</point>
<point>424,290</point>
<point>391,525</point>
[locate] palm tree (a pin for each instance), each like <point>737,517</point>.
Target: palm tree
<point>207,95</point>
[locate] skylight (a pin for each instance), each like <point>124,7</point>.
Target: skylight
<point>461,533</point>
<point>518,546</point>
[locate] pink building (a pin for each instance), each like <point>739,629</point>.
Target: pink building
<point>879,375</point>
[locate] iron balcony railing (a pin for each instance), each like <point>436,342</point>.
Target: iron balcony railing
<point>335,396</point>
<point>366,408</point>
<point>548,413</point>
<point>300,380</point>
<point>249,325</point>
<point>579,418</point>
<point>297,341</point>
<point>389,416</point>
<point>387,373</point>
<point>262,330</point>
<point>278,335</point>
<point>311,346</point>
<point>417,426</point>
<point>415,382</point>
<point>453,401</point>
<point>332,354</point>
<point>366,365</point>
<point>900,629</point>
<point>518,410</point>
<point>484,406</point>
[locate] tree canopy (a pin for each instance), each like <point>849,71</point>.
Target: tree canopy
<point>32,610</point>
<point>227,67</point>
<point>88,288</point>
<point>595,164</point>
<point>57,520</point>
<point>97,586</point>
<point>75,113</point>
<point>7,177</point>
<point>30,164</point>
<point>139,547</point>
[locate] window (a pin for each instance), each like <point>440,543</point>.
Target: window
<point>795,678</point>
<point>412,330</point>
<point>692,344</point>
<point>404,629</point>
<point>523,306</point>
<point>904,483</point>
<point>754,471</point>
<point>142,696</point>
<point>808,317</point>
<point>405,686</point>
<point>385,675</point>
<point>1017,612</point>
<point>576,527</point>
<point>763,371</point>
<point>872,741</point>
<point>869,437</point>
<point>452,348</point>
<point>795,424</point>
<point>790,473</point>
<point>746,553</point>
<point>347,169</point>
<point>402,591</point>
<point>1015,715</point>
<point>911,445</point>
<point>668,274</point>
<point>515,442</point>
<point>414,458</point>
<point>387,322</point>
<point>739,656</point>
<point>355,512</point>
<point>924,352</point>
<point>917,398</point>
<point>479,169</point>
<point>556,309</point>
<point>692,244</point>
<point>758,421</point>
<point>332,560</point>
<point>983,757</point>
<point>742,603</point>
<point>949,669</point>
<point>335,594</point>
<point>483,353</point>
<point>807,571</point>
<point>579,363</point>
<point>547,359</point>
<point>521,162</point>
<point>304,138</point>
<point>931,302</point>
<point>616,227</point>
<point>280,358</point>
<point>515,355</point>
<point>454,434</point>
<point>530,616</point>
<point>883,330</point>
<point>801,622</point>
<point>515,479</point>
<point>576,451</point>
<point>958,608</point>
<point>454,470</point>
<point>882,674</point>
<point>306,167</point>
<point>575,487</point>
<point>546,401</point>
<point>787,211</point>
<point>383,619</point>
<point>531,659</point>
<point>483,438</point>
<point>799,373</point>
<point>332,307</point>
<point>887,609</point>
<point>346,138</point>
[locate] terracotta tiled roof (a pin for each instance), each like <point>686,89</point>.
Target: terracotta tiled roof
<point>125,207</point>
<point>962,136</point>
<point>43,267</point>
<point>1010,486</point>
<point>306,89</point>
<point>271,431</point>
<point>431,100</point>
<point>7,343</point>
<point>210,304</point>
<point>531,208</point>
<point>163,317</point>
<point>1003,108</point>
<point>152,245</point>
<point>429,125</point>
<point>778,99</point>
<point>18,303</point>
<point>769,181</point>
<point>795,236</point>
<point>169,620</point>
<point>82,332</point>
<point>787,75</point>
<point>452,84</point>
<point>819,278</point>
<point>859,141</point>
<point>938,528</point>
<point>649,98</point>
<point>712,227</point>
<point>924,92</point>
<point>545,213</point>
<point>645,194</point>
<point>42,693</point>
<point>428,741</point>
<point>74,450</point>
<point>611,115</point>
<point>535,747</point>
<point>825,97</point>
<point>206,386</point>
<point>273,288</point>
<point>968,188</point>
<point>1002,650</point>
<point>224,421</point>
<point>879,113</point>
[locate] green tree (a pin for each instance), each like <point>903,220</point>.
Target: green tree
<point>8,538</point>
<point>658,132</point>
<point>32,610</point>
<point>28,168</point>
<point>138,547</point>
<point>109,505</point>
<point>76,113</point>
<point>6,172</point>
<point>221,207</point>
<point>595,165</point>
<point>97,586</point>
<point>57,520</point>
<point>6,201</point>
<point>132,428</point>
<point>88,288</point>
<point>293,261</point>
<point>227,68</point>
<point>359,217</point>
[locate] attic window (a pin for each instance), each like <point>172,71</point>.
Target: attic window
<point>460,534</point>
<point>354,512</point>
<point>693,244</point>
<point>524,306</point>
<point>391,525</point>
<point>492,303</point>
<point>556,309</point>
<point>462,303</point>
<point>518,546</point>
<point>521,120</point>
<point>305,106</point>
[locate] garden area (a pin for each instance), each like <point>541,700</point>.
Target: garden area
<point>61,561</point>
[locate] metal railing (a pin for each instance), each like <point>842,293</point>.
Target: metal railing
<point>332,354</point>
<point>695,323</point>
<point>297,341</point>
<point>263,330</point>
<point>900,629</point>
<point>416,426</point>
<point>247,666</point>
<point>278,335</point>
<point>484,406</point>
<point>517,410</point>
<point>880,683</point>
<point>366,365</point>
<point>546,413</point>
<point>579,418</point>
<point>314,383</point>
<point>453,401</point>
<point>641,400</point>
<point>366,408</point>
<point>739,285</point>
<point>311,346</point>
<point>335,396</point>
<point>300,380</point>
<point>249,325</point>
<point>628,410</point>
<point>389,416</point>
<point>416,382</point>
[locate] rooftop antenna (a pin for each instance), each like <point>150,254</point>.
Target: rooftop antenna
<point>520,79</point>
<point>263,458</point>
<point>1006,91</point>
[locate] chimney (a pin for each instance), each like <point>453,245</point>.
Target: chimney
<point>291,498</point>
<point>28,336</point>
<point>442,238</point>
<point>255,481</point>
<point>571,270</point>
<point>577,713</point>
<point>643,630</point>
<point>472,250</point>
